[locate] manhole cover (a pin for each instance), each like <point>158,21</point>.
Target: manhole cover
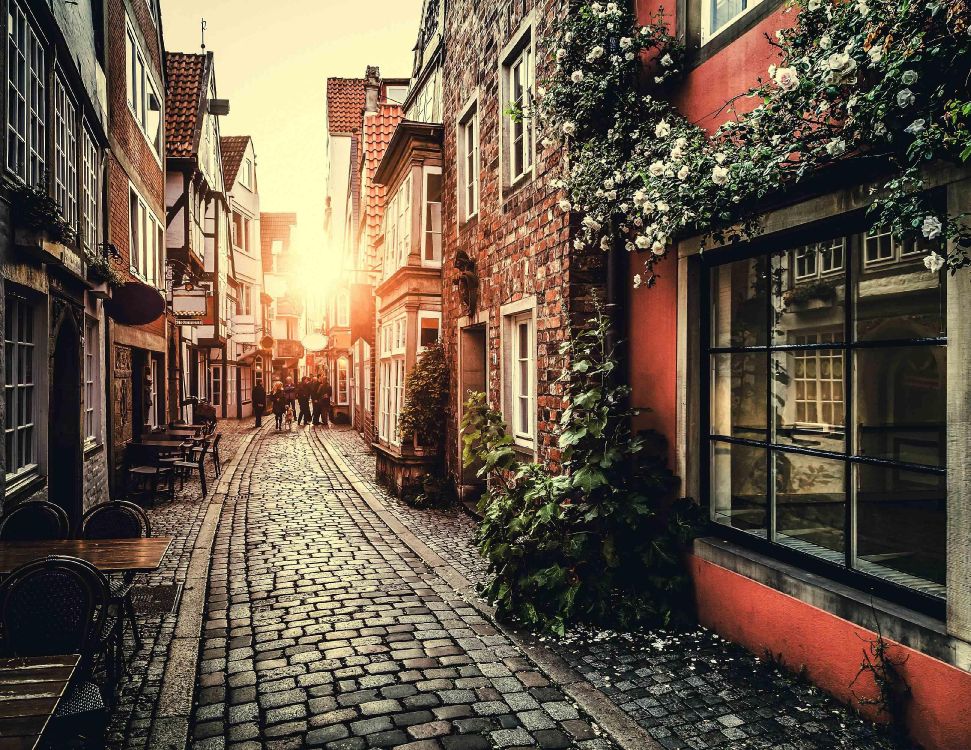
<point>156,600</point>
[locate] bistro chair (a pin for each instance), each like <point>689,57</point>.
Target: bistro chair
<point>34,520</point>
<point>144,480</point>
<point>58,605</point>
<point>118,519</point>
<point>216,462</point>
<point>196,460</point>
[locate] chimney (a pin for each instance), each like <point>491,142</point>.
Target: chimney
<point>372,88</point>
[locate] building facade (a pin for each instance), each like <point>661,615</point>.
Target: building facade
<point>57,111</point>
<point>287,307</point>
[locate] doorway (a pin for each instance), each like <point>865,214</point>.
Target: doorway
<point>473,378</point>
<point>64,444</point>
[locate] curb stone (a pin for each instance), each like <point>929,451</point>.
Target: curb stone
<point>170,725</point>
<point>620,727</point>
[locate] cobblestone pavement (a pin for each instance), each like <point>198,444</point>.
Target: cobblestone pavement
<point>157,599</point>
<point>689,690</point>
<point>323,629</point>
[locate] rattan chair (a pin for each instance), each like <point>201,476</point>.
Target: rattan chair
<point>58,605</point>
<point>118,519</point>
<point>34,520</point>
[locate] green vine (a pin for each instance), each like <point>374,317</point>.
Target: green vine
<point>599,543</point>
<point>861,80</point>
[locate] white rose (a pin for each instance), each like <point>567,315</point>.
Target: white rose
<point>681,142</point>
<point>934,262</point>
<point>839,67</point>
<point>658,79</point>
<point>597,8</point>
<point>683,173</point>
<point>772,69</point>
<point>667,61</point>
<point>639,197</point>
<point>569,127</point>
<point>786,79</point>
<point>560,54</point>
<point>875,53</point>
<point>719,175</point>
<point>592,224</point>
<point>905,98</point>
<point>662,129</point>
<point>626,42</point>
<point>642,241</point>
<point>931,227</point>
<point>825,41</point>
<point>648,207</point>
<point>605,243</point>
<point>909,78</point>
<point>720,158</point>
<point>645,31</point>
<point>611,195</point>
<point>613,9</point>
<point>576,76</point>
<point>656,169</point>
<point>663,207</point>
<point>917,126</point>
<point>565,205</point>
<point>814,5</point>
<point>637,281</point>
<point>657,248</point>
<point>862,8</point>
<point>836,147</point>
<point>677,153</point>
<point>629,56</point>
<point>595,54</point>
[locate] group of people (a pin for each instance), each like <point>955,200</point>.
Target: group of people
<point>312,395</point>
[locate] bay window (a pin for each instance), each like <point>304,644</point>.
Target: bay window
<point>391,378</point>
<point>26,98</point>
<point>397,228</point>
<point>827,395</point>
<point>431,253</point>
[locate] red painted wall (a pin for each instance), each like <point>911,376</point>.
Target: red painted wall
<point>831,649</point>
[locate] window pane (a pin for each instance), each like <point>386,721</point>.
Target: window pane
<point>899,299</point>
<point>901,526</point>
<point>738,395</point>
<point>738,486</point>
<point>723,11</point>
<point>810,504</point>
<point>808,397</point>
<point>805,305</point>
<point>901,403</point>
<point>739,303</point>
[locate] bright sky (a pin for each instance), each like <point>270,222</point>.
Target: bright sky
<point>272,63</point>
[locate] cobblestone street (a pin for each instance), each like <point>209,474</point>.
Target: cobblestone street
<point>323,629</point>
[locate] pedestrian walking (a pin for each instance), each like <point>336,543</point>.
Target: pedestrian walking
<point>290,391</point>
<point>304,399</point>
<point>322,402</point>
<point>259,402</point>
<point>278,400</point>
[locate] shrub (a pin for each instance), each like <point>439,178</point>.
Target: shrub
<point>426,397</point>
<point>603,542</point>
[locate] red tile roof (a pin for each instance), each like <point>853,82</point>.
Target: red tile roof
<point>186,83</point>
<point>378,129</point>
<point>232,147</point>
<point>345,105</point>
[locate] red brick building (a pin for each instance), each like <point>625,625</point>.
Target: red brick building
<point>139,356</point>
<point>512,281</point>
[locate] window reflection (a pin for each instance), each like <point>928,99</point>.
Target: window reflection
<point>738,486</point>
<point>738,395</point>
<point>740,304</point>
<point>810,504</point>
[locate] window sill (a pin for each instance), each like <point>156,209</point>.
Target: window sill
<point>92,448</point>
<point>898,623</point>
<point>24,485</point>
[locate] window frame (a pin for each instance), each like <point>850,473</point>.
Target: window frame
<point>468,151</point>
<point>849,571</point>
<point>139,83</point>
<point>342,367</point>
<point>32,129</point>
<point>435,262</point>
<point>91,384</point>
<point>16,348</point>
<point>427,315</point>
<point>521,50</point>
<point>707,10</point>
<point>514,387</point>
<point>147,244</point>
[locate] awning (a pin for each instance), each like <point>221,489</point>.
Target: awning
<point>250,357</point>
<point>135,304</point>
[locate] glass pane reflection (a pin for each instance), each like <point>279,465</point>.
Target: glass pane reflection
<point>738,482</point>
<point>810,504</point>
<point>902,526</point>
<point>739,303</point>
<point>738,395</point>
<point>809,398</point>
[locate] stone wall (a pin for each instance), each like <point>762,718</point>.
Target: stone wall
<point>520,240</point>
<point>121,406</point>
<point>95,477</point>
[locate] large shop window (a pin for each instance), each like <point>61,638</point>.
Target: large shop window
<point>19,386</point>
<point>827,406</point>
<point>26,98</point>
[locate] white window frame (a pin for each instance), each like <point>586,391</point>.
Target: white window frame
<point>391,383</point>
<point>65,152</point>
<point>215,384</point>
<point>27,78</point>
<point>153,370</point>
<point>518,56</point>
<point>707,10</point>
<point>22,349</point>
<point>815,255</point>
<point>140,84</point>
<point>90,193</point>
<point>428,233</point>
<point>146,236</point>
<point>245,385</point>
<point>397,228</point>
<point>515,386</point>
<point>246,174</point>
<point>92,382</point>
<point>898,250</point>
<point>342,368</point>
<point>469,166</point>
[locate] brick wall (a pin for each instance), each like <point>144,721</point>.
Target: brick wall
<point>520,241</point>
<point>95,479</point>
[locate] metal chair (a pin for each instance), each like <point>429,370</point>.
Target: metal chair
<point>144,480</point>
<point>58,605</point>
<point>216,461</point>
<point>118,519</point>
<point>34,520</point>
<point>196,460</point>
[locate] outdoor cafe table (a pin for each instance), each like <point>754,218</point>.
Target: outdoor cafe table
<point>177,432</point>
<point>30,689</point>
<point>138,555</point>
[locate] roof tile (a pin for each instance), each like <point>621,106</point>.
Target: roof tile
<point>232,147</point>
<point>345,105</point>
<point>185,73</point>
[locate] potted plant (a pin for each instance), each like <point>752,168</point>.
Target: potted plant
<point>37,220</point>
<point>101,273</point>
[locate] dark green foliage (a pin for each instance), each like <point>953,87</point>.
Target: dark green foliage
<point>426,397</point>
<point>602,542</point>
<point>33,209</point>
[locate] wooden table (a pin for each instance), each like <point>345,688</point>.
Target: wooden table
<point>180,433</point>
<point>172,443</point>
<point>30,689</point>
<point>140,555</point>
